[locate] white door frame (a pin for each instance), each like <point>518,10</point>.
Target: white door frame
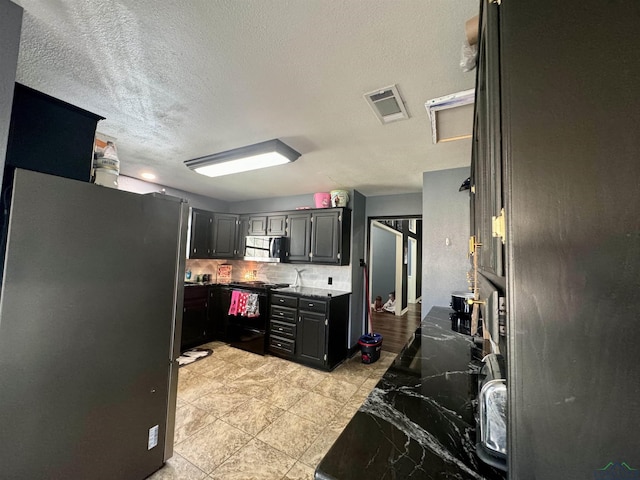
<point>398,269</point>
<point>411,279</point>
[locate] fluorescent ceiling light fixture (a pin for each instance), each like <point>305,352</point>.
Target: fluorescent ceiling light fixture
<point>148,176</point>
<point>252,157</point>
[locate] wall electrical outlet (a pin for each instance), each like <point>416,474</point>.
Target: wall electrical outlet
<point>330,281</point>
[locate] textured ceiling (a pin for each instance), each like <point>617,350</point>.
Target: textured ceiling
<point>182,79</point>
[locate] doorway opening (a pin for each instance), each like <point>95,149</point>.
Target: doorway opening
<point>395,266</point>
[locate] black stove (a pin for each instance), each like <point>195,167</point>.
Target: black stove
<point>257,285</point>
<point>248,332</point>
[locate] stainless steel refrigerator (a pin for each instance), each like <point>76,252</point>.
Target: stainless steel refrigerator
<point>90,318</point>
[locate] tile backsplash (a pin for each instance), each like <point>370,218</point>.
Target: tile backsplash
<point>310,275</point>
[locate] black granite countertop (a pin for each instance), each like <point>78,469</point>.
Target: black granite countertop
<point>311,291</point>
<point>417,423</point>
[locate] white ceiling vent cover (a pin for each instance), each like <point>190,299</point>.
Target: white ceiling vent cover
<point>387,104</point>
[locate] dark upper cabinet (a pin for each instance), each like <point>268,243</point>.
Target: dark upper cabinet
<point>487,200</point>
<point>277,225</point>
<point>320,236</point>
<point>299,232</point>
<point>257,225</point>
<point>274,225</point>
<point>325,236</point>
<point>224,231</point>
<point>243,231</point>
<point>330,236</point>
<point>212,235</point>
<point>50,136</point>
<point>200,234</point>
<point>315,236</point>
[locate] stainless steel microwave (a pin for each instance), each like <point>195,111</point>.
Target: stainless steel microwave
<point>265,249</point>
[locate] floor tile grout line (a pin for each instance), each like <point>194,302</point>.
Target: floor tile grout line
<point>348,366</point>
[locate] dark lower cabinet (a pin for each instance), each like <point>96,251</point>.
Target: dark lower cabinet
<point>310,340</point>
<point>194,316</point>
<point>309,330</point>
<point>219,299</point>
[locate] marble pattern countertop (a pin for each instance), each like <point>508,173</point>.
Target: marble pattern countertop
<point>312,291</point>
<point>417,423</point>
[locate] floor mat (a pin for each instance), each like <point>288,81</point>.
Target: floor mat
<point>193,355</point>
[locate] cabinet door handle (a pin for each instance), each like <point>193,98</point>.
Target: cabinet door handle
<point>282,300</point>
<point>311,305</point>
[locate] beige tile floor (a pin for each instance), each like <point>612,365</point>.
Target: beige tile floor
<point>243,416</point>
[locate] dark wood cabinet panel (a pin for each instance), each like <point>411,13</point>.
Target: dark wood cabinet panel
<point>310,339</point>
<point>299,230</point>
<point>195,316</point>
<point>219,299</point>
<point>273,225</point>
<point>309,330</point>
<point>213,235</point>
<point>561,155</point>
<point>325,237</point>
<point>50,136</point>
<point>277,225</point>
<point>200,234</point>
<point>224,229</point>
<point>318,236</point>
<point>487,165</point>
<point>257,225</point>
<point>243,231</point>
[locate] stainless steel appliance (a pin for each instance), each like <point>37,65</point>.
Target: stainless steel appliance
<point>265,249</point>
<point>491,417</point>
<point>90,317</point>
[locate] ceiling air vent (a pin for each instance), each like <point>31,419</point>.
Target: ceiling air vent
<point>387,104</point>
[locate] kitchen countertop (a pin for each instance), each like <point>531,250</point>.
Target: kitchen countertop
<point>311,291</point>
<point>417,423</point>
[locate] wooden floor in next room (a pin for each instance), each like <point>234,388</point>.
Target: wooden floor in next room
<point>396,330</point>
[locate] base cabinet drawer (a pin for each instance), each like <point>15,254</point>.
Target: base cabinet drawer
<point>312,305</point>
<point>282,346</point>
<point>284,300</point>
<point>284,314</point>
<point>283,329</point>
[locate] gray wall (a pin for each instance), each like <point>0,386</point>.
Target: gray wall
<point>273,204</point>
<point>394,205</point>
<point>445,215</point>
<point>10,27</point>
<point>134,185</point>
<point>383,262</point>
